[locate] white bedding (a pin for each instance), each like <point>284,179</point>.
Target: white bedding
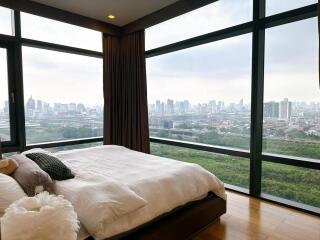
<point>163,183</point>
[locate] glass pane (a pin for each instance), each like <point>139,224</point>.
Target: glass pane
<point>292,183</point>
<point>78,146</point>
<point>202,94</point>
<point>4,103</point>
<point>63,95</point>
<point>292,96</point>
<point>231,170</point>
<point>47,30</point>
<point>216,16</point>
<point>5,21</point>
<point>279,6</point>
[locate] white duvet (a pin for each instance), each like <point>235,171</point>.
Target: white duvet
<point>155,185</point>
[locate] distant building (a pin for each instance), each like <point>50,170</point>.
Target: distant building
<point>168,124</point>
<point>46,107</point>
<point>170,106</point>
<point>6,107</point>
<point>241,103</point>
<point>213,106</point>
<point>30,106</point>
<point>271,110</point>
<point>158,106</point>
<point>39,106</point>
<point>162,108</point>
<point>81,108</point>
<point>186,105</point>
<point>72,107</point>
<point>285,109</point>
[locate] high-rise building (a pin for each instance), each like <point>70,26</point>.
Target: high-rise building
<point>39,106</point>
<point>46,107</point>
<point>186,105</point>
<point>213,106</point>
<point>170,106</point>
<point>30,106</point>
<point>81,108</point>
<point>271,110</point>
<point>158,106</point>
<point>241,103</point>
<point>72,107</point>
<point>6,107</point>
<point>285,109</point>
<point>162,109</point>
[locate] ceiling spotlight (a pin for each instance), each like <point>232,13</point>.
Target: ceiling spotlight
<point>110,16</point>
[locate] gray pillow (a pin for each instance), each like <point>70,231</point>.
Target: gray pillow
<point>31,177</point>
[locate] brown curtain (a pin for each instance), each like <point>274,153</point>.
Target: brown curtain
<point>125,92</point>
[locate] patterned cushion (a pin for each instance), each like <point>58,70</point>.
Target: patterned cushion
<point>52,165</point>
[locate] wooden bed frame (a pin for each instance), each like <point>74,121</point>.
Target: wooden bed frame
<point>182,223</point>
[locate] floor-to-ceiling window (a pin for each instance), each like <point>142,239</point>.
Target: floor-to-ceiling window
<point>7,119</point>
<point>4,97</point>
<point>234,87</point>
<point>50,83</point>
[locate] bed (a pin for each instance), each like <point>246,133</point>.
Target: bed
<point>174,199</point>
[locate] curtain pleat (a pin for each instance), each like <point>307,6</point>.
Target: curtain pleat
<point>125,92</point>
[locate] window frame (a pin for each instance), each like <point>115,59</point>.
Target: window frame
<point>11,93</point>
<point>257,27</point>
<point>14,45</point>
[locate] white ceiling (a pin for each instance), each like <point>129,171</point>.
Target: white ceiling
<point>126,11</point>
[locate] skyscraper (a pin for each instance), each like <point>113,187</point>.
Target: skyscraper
<point>158,106</point>
<point>39,106</point>
<point>285,109</point>
<point>271,110</point>
<point>170,106</point>
<point>31,106</point>
<point>6,107</point>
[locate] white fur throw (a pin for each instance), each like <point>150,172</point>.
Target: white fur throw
<point>41,217</point>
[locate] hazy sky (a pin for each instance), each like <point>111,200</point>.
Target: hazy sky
<point>54,76</point>
<point>59,77</point>
<point>222,70</point>
<point>3,78</point>
<point>219,70</point>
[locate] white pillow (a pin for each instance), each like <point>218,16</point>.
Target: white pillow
<point>10,191</point>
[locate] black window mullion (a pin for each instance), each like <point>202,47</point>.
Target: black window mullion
<point>258,45</point>
<point>18,77</point>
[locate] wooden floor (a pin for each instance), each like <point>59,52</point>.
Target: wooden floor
<point>250,218</point>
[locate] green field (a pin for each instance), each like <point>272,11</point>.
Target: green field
<point>293,183</point>
<point>298,147</point>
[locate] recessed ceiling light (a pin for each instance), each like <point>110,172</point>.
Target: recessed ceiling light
<point>110,16</point>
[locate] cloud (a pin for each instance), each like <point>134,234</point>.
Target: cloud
<point>60,77</point>
<point>291,62</point>
<point>219,70</point>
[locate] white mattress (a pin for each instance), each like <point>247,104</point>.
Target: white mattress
<point>164,183</point>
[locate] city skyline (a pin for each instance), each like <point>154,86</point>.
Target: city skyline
<point>216,71</point>
<point>35,105</point>
<point>163,100</point>
<point>245,103</point>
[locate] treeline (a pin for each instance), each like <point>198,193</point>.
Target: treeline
<point>289,182</point>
